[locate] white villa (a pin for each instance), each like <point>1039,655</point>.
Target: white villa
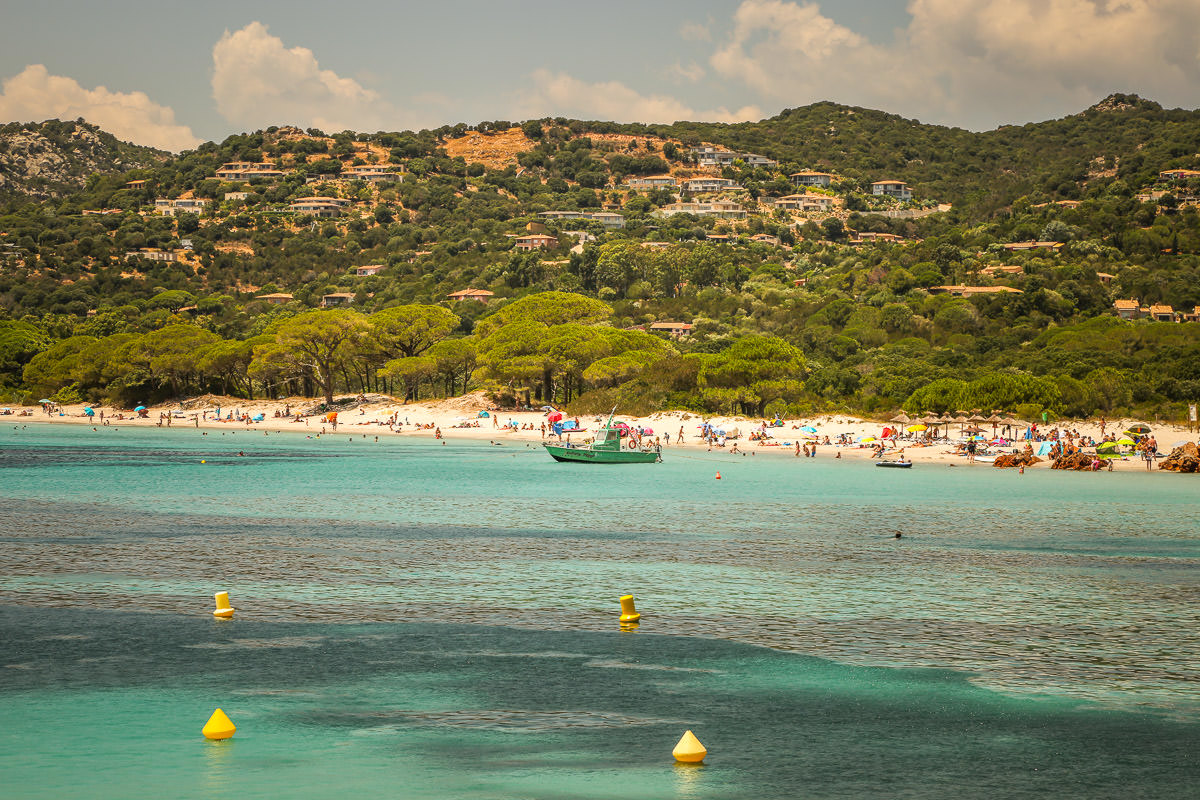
<point>248,170</point>
<point>724,210</point>
<point>375,173</point>
<point>716,157</point>
<point>699,185</point>
<point>321,207</point>
<point>651,182</point>
<point>804,202</point>
<point>153,254</point>
<point>190,205</point>
<point>821,179</point>
<point>608,219</point>
<point>896,189</point>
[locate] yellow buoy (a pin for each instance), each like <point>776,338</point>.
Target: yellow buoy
<point>628,612</point>
<point>202,461</point>
<point>689,750</point>
<point>224,610</point>
<point>219,726</point>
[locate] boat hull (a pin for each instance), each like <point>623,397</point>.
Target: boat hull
<point>894,464</point>
<point>586,455</point>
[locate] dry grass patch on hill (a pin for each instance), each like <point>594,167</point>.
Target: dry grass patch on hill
<point>494,150</point>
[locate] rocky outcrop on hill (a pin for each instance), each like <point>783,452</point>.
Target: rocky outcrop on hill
<point>53,158</point>
<point>1185,458</point>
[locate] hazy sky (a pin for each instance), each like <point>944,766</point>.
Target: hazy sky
<point>172,74</point>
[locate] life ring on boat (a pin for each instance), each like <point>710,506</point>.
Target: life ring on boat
<point>632,444</point>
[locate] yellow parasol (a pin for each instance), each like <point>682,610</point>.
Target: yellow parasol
<point>915,428</point>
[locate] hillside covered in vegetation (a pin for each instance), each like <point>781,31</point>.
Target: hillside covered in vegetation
<point>828,258</point>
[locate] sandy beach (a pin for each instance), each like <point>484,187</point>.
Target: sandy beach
<point>456,418</point>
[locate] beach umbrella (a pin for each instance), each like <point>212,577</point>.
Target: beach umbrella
<point>809,429</point>
<point>867,439</point>
<point>44,400</point>
<point>89,412</point>
<point>1125,440</point>
<point>901,418</point>
<point>978,438</point>
<point>140,408</point>
<point>915,428</point>
<point>1138,427</point>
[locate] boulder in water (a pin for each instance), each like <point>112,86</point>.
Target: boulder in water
<point>1015,460</point>
<point>1076,461</point>
<point>1185,458</point>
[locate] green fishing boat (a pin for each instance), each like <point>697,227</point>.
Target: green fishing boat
<point>605,448</point>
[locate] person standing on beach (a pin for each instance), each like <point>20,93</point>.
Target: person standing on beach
<point>679,437</point>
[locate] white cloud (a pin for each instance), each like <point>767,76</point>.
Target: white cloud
<point>35,95</point>
<point>560,94</point>
<point>695,32</point>
<point>793,54</point>
<point>686,74</point>
<point>257,82</point>
<point>973,62</point>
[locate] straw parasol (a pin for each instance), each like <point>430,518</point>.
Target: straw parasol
<point>901,418</point>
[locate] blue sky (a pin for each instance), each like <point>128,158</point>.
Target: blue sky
<point>172,74</point>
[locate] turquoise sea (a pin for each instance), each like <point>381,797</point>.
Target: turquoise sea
<point>423,620</point>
